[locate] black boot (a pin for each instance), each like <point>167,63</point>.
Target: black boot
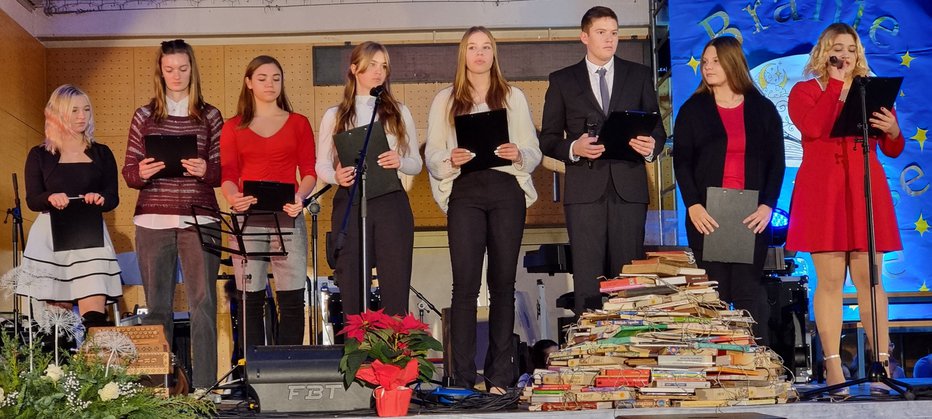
<point>95,319</point>
<point>255,329</point>
<point>291,317</point>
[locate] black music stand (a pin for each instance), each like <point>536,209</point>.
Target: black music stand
<point>871,93</point>
<point>234,224</point>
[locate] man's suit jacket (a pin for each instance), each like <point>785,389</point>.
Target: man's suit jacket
<point>570,103</point>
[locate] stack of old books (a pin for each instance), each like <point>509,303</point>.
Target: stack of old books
<point>662,338</point>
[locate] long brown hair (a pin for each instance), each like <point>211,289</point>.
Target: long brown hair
<point>389,111</point>
<point>195,99</point>
<point>57,112</point>
<point>734,65</point>
<point>497,95</point>
<point>246,107</point>
<point>817,66</point>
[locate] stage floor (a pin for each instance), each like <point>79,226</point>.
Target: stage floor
<point>860,405</point>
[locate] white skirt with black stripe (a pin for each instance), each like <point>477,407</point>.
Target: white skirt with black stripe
<point>67,275</point>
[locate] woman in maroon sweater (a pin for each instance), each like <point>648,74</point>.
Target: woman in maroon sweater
<point>828,211</point>
<point>729,135</point>
<point>163,210</point>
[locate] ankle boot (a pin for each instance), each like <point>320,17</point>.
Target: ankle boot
<point>291,317</point>
<point>95,319</point>
<point>255,328</point>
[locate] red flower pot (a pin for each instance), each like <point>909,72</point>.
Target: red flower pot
<point>392,402</point>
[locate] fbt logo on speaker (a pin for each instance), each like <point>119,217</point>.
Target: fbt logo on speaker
<point>313,391</point>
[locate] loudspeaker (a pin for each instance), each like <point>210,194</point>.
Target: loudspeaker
<point>297,378</point>
<point>788,297</point>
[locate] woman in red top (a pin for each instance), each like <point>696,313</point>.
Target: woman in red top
<point>267,141</point>
<point>827,213</point>
<point>729,135</point>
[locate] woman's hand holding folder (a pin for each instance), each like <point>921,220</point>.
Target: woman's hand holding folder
<point>148,167</point>
<point>345,176</point>
<point>460,156</point>
<point>241,203</point>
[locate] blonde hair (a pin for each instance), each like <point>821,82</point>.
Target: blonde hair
<point>818,63</point>
<point>195,98</point>
<point>734,65</point>
<point>389,110</point>
<point>246,107</point>
<point>58,116</point>
<point>461,96</point>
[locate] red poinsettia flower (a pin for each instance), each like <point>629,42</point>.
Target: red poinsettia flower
<point>355,327</point>
<point>379,320</point>
<point>387,375</point>
<point>358,324</point>
<point>409,323</point>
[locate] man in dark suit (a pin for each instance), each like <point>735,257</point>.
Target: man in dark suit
<point>605,201</point>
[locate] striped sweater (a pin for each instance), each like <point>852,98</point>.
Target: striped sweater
<point>174,196</point>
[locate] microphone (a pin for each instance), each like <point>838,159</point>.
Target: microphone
<point>592,128</point>
<point>15,192</point>
<point>377,90</point>
<point>307,201</point>
<point>836,62</point>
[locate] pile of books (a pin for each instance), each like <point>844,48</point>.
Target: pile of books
<point>662,339</point>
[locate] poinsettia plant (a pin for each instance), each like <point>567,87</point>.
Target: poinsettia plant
<point>386,351</point>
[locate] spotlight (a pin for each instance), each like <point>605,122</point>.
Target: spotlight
<point>779,222</point>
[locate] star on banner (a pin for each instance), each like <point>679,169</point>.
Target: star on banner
<point>920,136</point>
<point>694,63</point>
<point>924,287</point>
<point>906,59</point>
<point>921,225</point>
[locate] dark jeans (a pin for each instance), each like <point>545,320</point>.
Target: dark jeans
<point>487,213</point>
<point>742,284</point>
<point>158,253</point>
<point>390,235</point>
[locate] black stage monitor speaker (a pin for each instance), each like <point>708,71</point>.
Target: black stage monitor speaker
<point>296,378</point>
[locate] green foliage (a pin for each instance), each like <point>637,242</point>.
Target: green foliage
<point>35,392</point>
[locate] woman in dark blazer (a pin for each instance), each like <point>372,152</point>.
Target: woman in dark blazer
<point>729,135</point>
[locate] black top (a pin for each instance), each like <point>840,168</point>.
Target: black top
<point>46,176</point>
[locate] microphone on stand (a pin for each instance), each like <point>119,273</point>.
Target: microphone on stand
<point>377,90</point>
<point>307,201</point>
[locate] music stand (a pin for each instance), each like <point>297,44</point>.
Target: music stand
<point>872,93</point>
<point>234,224</point>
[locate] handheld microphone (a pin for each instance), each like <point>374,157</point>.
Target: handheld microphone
<point>592,129</point>
<point>377,90</point>
<point>836,62</point>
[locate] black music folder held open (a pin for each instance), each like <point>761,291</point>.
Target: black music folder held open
<point>620,128</point>
<point>270,196</point>
<point>482,133</point>
<point>379,180</point>
<point>78,226</point>
<point>880,92</point>
<point>170,149</point>
<point>732,241</point>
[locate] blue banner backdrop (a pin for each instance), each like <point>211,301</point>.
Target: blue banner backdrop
<point>777,36</point>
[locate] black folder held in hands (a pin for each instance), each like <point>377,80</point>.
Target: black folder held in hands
<point>379,180</point>
<point>78,226</point>
<point>620,128</point>
<point>732,241</point>
<point>482,133</point>
<point>170,149</point>
<point>270,198</point>
<point>880,93</point>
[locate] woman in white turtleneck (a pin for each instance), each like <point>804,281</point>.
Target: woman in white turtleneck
<point>389,223</point>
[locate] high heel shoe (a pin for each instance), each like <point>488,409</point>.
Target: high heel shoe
<point>843,392</point>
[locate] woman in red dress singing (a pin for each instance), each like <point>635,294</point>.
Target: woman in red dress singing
<point>828,209</point>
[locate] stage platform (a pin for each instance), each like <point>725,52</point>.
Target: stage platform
<point>860,405</point>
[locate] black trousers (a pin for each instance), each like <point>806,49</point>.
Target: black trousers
<point>604,236</point>
<point>390,233</point>
<point>742,284</point>
<point>487,213</point>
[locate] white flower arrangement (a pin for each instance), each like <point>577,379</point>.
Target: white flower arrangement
<point>54,372</point>
<point>57,321</point>
<point>117,344</point>
<point>111,391</point>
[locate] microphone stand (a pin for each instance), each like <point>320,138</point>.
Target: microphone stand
<point>19,243</point>
<point>312,300</point>
<point>878,370</point>
<point>360,183</point>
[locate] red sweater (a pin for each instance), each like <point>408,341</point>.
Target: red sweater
<point>733,120</point>
<point>245,155</point>
<point>174,196</point>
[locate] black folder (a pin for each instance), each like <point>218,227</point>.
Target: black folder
<point>482,133</point>
<point>170,149</point>
<point>732,241</point>
<point>77,226</point>
<point>620,128</point>
<point>270,196</point>
<point>379,181</point>
<point>880,92</point>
